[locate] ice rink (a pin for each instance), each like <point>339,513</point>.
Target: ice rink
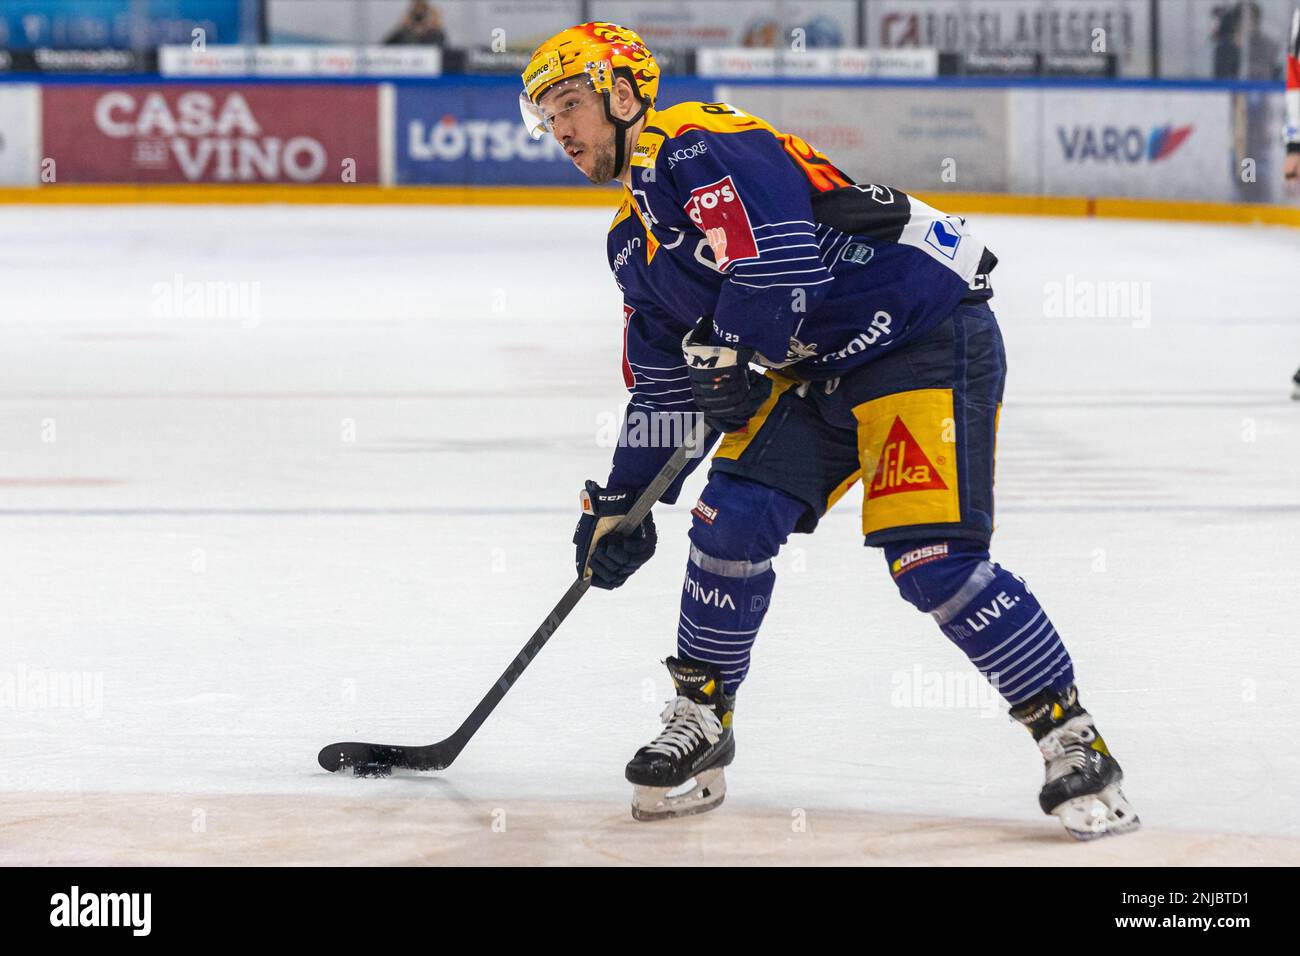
<point>275,477</point>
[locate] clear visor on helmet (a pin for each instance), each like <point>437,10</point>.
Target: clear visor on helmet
<point>558,99</point>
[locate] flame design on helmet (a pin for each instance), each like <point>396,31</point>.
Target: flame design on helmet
<point>597,49</point>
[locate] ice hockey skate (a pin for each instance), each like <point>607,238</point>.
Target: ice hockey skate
<point>1082,786</point>
<point>682,771</point>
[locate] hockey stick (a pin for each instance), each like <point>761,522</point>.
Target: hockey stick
<point>380,759</point>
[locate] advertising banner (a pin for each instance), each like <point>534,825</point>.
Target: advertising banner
<point>458,133</point>
<point>55,60</point>
<point>123,24</point>
<point>211,134</point>
<point>19,122</point>
<point>994,27</point>
<point>300,61</point>
<point>916,139</point>
<point>686,24</point>
<point>492,24</point>
<point>455,134</point>
<point>737,62</point>
<point>1166,144</point>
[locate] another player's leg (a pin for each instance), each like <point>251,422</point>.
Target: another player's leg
<point>737,528</point>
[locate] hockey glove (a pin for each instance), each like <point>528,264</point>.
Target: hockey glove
<point>608,558</point>
<point>723,386</point>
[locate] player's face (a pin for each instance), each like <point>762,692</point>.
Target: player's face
<point>577,120</point>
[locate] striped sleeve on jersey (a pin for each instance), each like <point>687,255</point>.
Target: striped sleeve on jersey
<point>660,411</point>
<point>788,255</point>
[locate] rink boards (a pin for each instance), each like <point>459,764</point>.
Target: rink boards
<point>1199,144</point>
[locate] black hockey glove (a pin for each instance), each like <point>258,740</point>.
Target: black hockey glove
<point>724,387</point>
<point>607,557</point>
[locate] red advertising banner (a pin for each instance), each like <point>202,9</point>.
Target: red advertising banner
<point>215,133</point>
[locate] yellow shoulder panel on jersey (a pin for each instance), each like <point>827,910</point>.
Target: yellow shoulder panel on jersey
<point>624,211</point>
<point>667,123</point>
<point>629,207</point>
<point>713,117</point>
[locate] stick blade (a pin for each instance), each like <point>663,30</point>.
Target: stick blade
<point>381,759</point>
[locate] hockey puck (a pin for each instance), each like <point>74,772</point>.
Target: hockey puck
<point>372,769</point>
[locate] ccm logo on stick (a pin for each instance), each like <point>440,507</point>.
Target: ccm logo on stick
<point>718,206</point>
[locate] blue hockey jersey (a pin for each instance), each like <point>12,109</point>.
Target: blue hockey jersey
<point>727,217</point>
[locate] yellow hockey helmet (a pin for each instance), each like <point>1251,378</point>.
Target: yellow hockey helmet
<point>590,55</point>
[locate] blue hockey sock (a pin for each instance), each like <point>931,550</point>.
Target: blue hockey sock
<point>986,611</point>
<point>738,526</point>
<point>723,603</point>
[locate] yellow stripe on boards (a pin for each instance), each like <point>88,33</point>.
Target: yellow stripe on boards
<point>349,194</point>
<point>609,197</point>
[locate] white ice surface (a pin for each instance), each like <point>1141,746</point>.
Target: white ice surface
<point>249,585</point>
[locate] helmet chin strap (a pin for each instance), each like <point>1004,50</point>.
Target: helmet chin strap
<point>620,134</point>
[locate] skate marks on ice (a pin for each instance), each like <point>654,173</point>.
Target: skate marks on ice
<point>264,829</point>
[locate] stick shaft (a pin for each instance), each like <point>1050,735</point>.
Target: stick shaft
<point>692,446</point>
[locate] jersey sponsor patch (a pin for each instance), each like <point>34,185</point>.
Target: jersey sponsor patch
<point>917,557</point>
<point>908,452</point>
<point>687,152</point>
<point>857,252</point>
<point>646,150</point>
<point>704,512</point>
<point>714,595</point>
<point>903,465</point>
<point>721,215</point>
<point>943,238</point>
<point>881,325</point>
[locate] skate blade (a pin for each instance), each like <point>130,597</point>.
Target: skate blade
<point>1107,813</point>
<point>705,792</point>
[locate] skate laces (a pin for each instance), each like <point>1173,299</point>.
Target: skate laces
<point>1066,748</point>
<point>687,724</point>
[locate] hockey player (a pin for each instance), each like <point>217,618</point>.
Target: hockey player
<point>1291,168</point>
<point>737,243</point>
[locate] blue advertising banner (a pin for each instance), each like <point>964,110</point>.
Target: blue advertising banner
<point>470,132</point>
<point>122,24</point>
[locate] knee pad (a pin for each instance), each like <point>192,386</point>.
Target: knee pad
<point>934,575</point>
<point>737,520</point>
